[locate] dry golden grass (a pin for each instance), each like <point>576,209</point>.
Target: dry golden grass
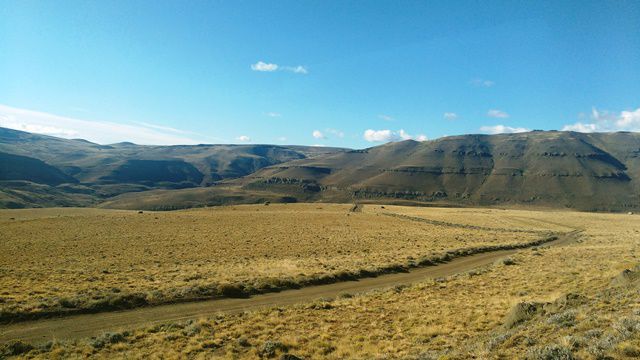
<point>455,318</point>
<point>67,259</point>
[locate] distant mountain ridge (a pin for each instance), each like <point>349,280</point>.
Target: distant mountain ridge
<point>596,172</point>
<point>108,170</point>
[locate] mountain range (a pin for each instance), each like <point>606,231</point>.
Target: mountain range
<point>556,169</point>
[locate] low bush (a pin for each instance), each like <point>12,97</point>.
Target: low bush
<point>14,348</point>
<point>269,348</point>
<point>550,352</point>
<point>108,338</point>
<point>563,319</point>
<point>232,290</point>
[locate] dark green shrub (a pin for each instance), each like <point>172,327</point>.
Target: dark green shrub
<point>14,348</point>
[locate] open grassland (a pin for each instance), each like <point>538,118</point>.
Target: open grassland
<point>569,302</point>
<point>70,260</point>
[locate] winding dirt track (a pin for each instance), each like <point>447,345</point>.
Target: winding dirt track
<point>87,325</point>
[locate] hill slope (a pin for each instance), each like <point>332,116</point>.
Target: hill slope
<point>104,171</point>
<point>561,169</point>
<point>599,171</point>
<point>16,167</point>
<point>94,163</point>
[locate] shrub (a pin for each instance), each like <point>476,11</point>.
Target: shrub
<point>563,319</point>
<point>497,340</point>
<point>118,302</point>
<point>574,342</point>
<point>520,313</point>
<point>550,352</point>
<point>599,348</point>
<point>108,338</point>
<point>289,357</point>
<point>68,303</point>
<point>629,350</point>
<point>269,348</point>
<point>192,329</point>
<point>15,348</point>
<point>627,326</point>
<point>593,333</point>
<point>232,290</point>
<point>243,342</point>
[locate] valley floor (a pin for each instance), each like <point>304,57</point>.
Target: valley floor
<point>541,301</point>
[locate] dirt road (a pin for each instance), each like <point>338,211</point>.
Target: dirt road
<point>87,325</point>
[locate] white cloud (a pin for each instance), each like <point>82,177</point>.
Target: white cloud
<point>629,120</point>
<point>502,129</point>
<point>243,138</point>
<point>297,69</point>
<point>580,127</point>
<point>102,132</point>
<point>404,135</point>
<point>390,135</point>
<point>497,114</point>
<point>317,134</point>
<point>606,121</point>
<point>386,117</point>
<point>450,116</point>
<point>270,67</point>
<point>482,82</point>
<point>263,66</point>
<point>282,139</point>
<point>274,114</point>
<point>380,135</point>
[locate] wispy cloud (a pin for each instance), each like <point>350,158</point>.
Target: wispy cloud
<point>263,66</point>
<point>386,117</point>
<point>502,129</point>
<point>271,67</point>
<point>162,128</point>
<point>282,139</point>
<point>387,135</point>
<point>317,134</point>
<point>102,132</point>
<point>607,121</point>
<point>497,114</point>
<point>450,116</point>
<point>478,82</point>
<point>243,138</point>
<point>296,69</point>
<point>273,114</point>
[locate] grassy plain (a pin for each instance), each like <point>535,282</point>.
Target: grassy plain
<point>54,260</point>
<point>581,307</point>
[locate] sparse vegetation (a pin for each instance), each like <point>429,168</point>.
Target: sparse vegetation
<point>580,312</point>
<point>109,260</point>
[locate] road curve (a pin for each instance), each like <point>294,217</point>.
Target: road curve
<point>87,325</point>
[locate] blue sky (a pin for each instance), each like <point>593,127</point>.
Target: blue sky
<point>337,73</point>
